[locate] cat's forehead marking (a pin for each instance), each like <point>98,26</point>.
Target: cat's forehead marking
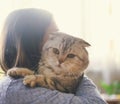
<point>66,43</point>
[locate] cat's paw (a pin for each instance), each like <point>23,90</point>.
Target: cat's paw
<point>19,72</point>
<point>30,80</point>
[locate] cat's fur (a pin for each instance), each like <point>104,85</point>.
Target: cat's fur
<point>64,59</point>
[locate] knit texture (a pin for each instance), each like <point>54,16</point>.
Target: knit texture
<point>12,91</point>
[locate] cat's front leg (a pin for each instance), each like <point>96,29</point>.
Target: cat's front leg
<point>19,72</point>
<point>38,80</point>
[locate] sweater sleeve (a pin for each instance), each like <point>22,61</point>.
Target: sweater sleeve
<point>14,92</point>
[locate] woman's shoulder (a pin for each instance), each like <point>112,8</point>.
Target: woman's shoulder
<point>4,84</point>
<point>13,91</point>
<point>8,83</point>
<point>87,81</point>
<point>85,86</point>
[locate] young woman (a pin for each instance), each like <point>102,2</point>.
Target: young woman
<point>24,33</point>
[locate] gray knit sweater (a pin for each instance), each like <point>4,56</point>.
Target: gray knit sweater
<point>14,92</point>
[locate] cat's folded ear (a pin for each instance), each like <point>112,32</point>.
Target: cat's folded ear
<point>84,43</point>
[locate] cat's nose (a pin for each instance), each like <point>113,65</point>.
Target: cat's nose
<point>60,61</point>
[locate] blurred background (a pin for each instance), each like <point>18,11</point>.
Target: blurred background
<point>96,21</point>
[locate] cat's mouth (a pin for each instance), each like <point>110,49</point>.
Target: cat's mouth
<point>59,65</point>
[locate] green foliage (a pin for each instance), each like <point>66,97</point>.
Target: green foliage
<point>113,88</point>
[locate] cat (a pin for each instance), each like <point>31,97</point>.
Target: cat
<point>62,64</point>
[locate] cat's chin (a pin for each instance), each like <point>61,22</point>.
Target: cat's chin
<point>59,65</point>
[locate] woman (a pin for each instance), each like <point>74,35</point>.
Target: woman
<point>24,33</point>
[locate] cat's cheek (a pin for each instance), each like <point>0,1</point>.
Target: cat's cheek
<point>55,63</point>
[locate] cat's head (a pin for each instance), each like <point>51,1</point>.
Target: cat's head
<point>65,53</point>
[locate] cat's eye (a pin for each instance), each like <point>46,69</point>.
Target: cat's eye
<point>55,50</point>
<point>70,55</point>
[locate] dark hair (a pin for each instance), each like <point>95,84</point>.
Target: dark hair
<point>22,37</point>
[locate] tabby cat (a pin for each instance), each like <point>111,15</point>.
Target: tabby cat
<point>64,59</point>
